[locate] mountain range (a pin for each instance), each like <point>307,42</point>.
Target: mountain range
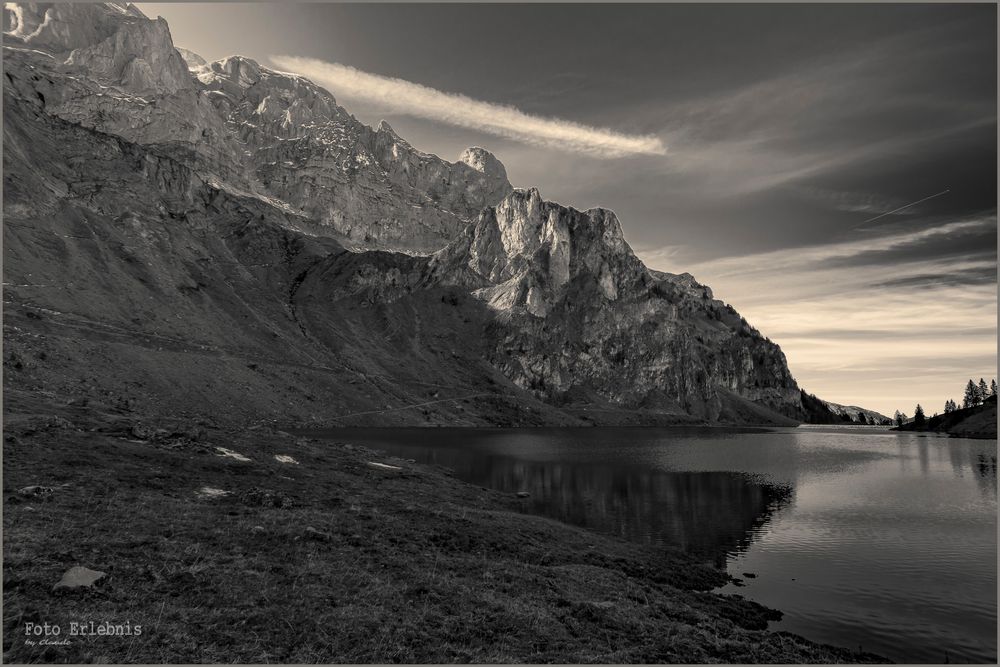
<point>859,415</point>
<point>223,239</point>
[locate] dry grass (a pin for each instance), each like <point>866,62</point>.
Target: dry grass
<point>332,560</point>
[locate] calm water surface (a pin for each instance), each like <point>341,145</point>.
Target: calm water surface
<point>862,537</point>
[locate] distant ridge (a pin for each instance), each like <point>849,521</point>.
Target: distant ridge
<point>856,414</point>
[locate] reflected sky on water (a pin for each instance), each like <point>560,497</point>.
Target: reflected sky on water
<point>861,536</point>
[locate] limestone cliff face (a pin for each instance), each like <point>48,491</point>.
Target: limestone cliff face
<point>580,315</point>
<point>252,130</point>
<point>526,251</point>
<point>112,41</point>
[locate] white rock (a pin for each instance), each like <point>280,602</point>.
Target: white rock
<point>79,577</point>
<point>229,453</point>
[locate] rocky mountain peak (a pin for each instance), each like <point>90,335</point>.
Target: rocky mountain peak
<point>527,253</point>
<point>192,59</point>
<point>197,66</point>
<point>242,71</point>
<point>389,143</point>
<point>484,162</point>
<point>113,42</point>
<point>268,134</point>
<point>60,27</point>
<point>385,128</point>
<point>267,103</point>
<point>525,221</point>
<point>577,309</point>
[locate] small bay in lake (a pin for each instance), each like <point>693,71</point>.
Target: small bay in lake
<point>861,536</point>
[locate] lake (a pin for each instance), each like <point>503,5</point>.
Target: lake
<point>863,537</point>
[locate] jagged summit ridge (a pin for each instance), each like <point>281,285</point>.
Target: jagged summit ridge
<point>244,161</point>
<point>113,41</point>
<point>525,251</point>
<point>62,27</point>
<point>484,161</point>
<point>273,135</point>
<point>580,314</point>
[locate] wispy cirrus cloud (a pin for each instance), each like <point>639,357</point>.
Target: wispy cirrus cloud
<point>849,112</point>
<point>855,202</point>
<point>884,321</point>
<point>893,251</point>
<point>413,99</point>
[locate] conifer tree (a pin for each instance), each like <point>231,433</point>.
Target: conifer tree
<point>971,394</point>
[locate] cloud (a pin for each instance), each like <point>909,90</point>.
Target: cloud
<point>660,256</point>
<point>976,275</point>
<point>413,99</point>
<point>849,113</point>
<point>942,240</point>
<point>968,239</point>
<point>897,315</point>
<point>856,202</point>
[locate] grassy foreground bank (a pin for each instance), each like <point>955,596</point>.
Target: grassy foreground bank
<point>316,552</point>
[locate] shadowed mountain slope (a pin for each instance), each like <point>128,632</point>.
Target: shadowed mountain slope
<point>219,238</point>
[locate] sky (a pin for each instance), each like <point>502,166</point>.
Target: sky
<point>761,148</point>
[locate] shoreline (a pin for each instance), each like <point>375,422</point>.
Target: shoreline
<point>308,430</point>
<point>978,423</point>
<point>333,553</point>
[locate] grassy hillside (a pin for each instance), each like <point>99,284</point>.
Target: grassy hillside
<point>817,411</point>
<point>976,422</point>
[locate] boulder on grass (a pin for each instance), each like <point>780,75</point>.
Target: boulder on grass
<point>79,577</point>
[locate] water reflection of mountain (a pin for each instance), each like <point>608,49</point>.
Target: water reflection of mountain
<point>709,514</point>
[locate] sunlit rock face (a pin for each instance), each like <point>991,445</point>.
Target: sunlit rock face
<point>252,130</point>
<point>580,315</point>
<point>528,250</point>
<point>111,41</point>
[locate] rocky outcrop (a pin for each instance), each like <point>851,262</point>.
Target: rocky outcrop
<point>579,316</point>
<point>524,251</point>
<point>113,42</point>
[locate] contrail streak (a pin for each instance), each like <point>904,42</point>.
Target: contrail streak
<point>882,215</point>
<point>413,99</point>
